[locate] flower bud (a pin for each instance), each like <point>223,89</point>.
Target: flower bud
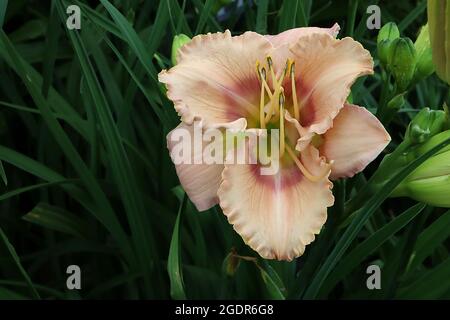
<point>425,125</point>
<point>388,32</point>
<point>430,182</point>
<point>439,27</point>
<point>424,57</point>
<point>402,62</point>
<point>178,41</point>
<point>386,35</point>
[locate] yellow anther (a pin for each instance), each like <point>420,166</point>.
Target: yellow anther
<point>305,171</point>
<point>291,67</point>
<point>281,100</point>
<point>294,92</point>
<point>258,70</point>
<point>262,76</point>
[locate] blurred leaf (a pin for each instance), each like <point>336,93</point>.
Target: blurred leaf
<point>29,31</point>
<point>139,83</point>
<point>177,14</point>
<point>174,267</point>
<point>273,282</point>
<point>288,14</point>
<point>178,192</point>
<point>136,45</point>
<point>132,38</point>
<point>16,260</point>
<point>99,19</point>
<point>261,16</point>
<point>43,289</point>
<point>416,12</point>
<point>112,283</point>
<point>351,15</point>
<point>3,6</point>
<point>3,174</point>
<point>58,219</point>
<point>430,239</point>
<point>204,14</point>
<point>51,43</point>
<point>432,284</point>
<point>368,246</point>
<point>6,294</point>
<point>54,99</point>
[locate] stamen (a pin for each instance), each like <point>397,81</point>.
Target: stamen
<point>272,72</point>
<point>261,103</point>
<point>280,88</point>
<point>305,171</point>
<point>277,87</point>
<point>262,76</point>
<point>281,104</point>
<point>294,92</point>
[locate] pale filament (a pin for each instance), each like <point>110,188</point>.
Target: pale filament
<point>261,103</point>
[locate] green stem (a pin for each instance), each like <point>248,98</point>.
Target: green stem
<point>353,7</point>
<point>385,95</point>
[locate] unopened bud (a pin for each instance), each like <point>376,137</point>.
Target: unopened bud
<point>402,62</point>
<point>386,35</point>
<point>430,182</point>
<point>178,41</point>
<point>425,125</point>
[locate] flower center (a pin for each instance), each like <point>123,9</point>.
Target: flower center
<point>273,111</point>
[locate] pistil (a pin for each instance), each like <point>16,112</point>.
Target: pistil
<point>305,172</point>
<point>262,122</point>
<point>281,99</point>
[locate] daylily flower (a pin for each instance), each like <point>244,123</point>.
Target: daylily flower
<point>298,82</point>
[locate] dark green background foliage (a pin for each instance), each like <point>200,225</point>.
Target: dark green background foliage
<point>87,180</point>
